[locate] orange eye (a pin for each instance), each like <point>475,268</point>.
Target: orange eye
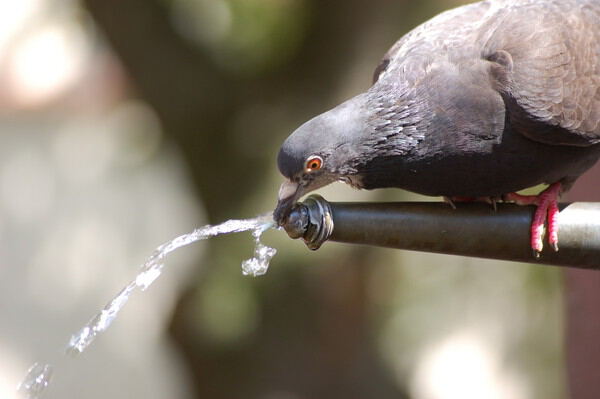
<point>313,163</point>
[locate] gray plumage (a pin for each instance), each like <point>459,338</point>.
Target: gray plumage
<point>480,101</point>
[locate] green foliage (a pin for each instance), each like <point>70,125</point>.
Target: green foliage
<point>247,37</point>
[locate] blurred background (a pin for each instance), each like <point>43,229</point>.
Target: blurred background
<point>126,123</point>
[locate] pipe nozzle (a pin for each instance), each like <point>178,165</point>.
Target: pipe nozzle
<point>310,220</point>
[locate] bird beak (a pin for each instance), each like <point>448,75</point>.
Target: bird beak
<point>289,192</point>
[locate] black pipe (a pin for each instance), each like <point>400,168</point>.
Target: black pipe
<point>472,229</point>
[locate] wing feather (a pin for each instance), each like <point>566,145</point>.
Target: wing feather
<point>545,57</point>
<point>554,78</point>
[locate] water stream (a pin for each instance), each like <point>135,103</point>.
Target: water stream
<point>39,376</point>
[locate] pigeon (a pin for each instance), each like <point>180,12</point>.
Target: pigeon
<point>480,102</point>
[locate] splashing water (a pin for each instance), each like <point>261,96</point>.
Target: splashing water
<point>258,265</point>
<point>38,376</point>
<point>152,268</point>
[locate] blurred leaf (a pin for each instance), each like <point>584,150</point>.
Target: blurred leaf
<point>245,36</point>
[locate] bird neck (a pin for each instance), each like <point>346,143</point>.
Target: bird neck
<point>398,121</point>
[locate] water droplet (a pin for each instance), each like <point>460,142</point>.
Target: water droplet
<point>36,381</point>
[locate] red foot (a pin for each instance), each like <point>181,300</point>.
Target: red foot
<point>547,209</point>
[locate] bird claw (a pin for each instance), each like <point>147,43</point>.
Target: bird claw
<point>547,211</point>
<point>520,199</point>
<point>450,202</point>
<point>488,200</point>
<point>494,203</point>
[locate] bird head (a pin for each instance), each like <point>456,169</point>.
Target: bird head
<point>319,152</point>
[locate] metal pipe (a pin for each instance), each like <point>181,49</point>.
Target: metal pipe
<point>472,229</point>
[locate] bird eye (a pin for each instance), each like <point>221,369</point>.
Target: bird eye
<point>313,163</point>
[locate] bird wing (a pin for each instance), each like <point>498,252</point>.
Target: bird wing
<point>544,54</point>
<point>546,61</point>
